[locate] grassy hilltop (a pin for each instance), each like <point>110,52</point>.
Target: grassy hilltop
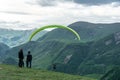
<point>14,73</point>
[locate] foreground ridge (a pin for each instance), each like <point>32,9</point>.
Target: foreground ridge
<point>8,72</point>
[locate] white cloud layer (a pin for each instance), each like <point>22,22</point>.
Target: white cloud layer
<point>63,12</point>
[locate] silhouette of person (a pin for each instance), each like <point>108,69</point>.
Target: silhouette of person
<point>29,60</point>
<point>54,66</point>
<point>21,57</point>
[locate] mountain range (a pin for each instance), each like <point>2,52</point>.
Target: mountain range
<point>96,52</point>
<point>14,38</point>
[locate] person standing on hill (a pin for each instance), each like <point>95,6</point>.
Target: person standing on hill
<point>54,66</point>
<point>21,57</point>
<point>29,60</point>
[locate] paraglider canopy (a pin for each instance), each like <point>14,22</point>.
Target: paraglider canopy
<point>54,26</point>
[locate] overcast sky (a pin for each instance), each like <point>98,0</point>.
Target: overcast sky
<point>27,14</point>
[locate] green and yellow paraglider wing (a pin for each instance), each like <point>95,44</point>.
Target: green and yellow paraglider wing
<point>54,26</point>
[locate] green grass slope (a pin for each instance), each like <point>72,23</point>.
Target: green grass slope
<point>14,73</point>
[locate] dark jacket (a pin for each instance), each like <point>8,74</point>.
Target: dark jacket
<point>29,57</point>
<point>20,55</point>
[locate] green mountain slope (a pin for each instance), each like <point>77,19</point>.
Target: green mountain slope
<point>87,31</point>
<point>103,54</point>
<point>113,74</point>
<point>92,55</point>
<point>49,52</point>
<point>15,73</point>
<point>75,58</point>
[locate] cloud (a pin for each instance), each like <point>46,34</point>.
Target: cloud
<point>95,2</point>
<point>15,12</point>
<point>16,25</point>
<point>45,3</point>
<point>84,2</point>
<point>64,12</point>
